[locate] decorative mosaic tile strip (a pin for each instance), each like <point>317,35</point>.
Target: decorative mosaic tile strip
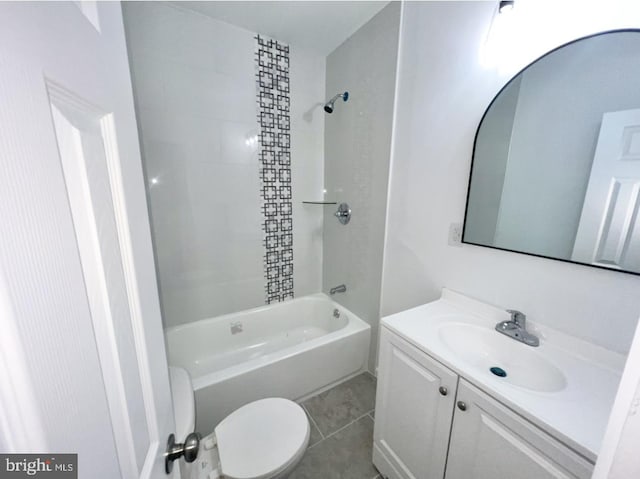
<point>272,97</point>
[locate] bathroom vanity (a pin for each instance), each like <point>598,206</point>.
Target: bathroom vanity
<point>442,413</point>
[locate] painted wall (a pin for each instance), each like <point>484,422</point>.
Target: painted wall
<point>443,89</point>
<point>194,84</point>
<point>357,149</point>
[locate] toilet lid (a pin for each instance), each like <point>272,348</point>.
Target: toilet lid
<point>262,438</point>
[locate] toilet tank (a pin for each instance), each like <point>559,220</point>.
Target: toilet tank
<point>184,406</point>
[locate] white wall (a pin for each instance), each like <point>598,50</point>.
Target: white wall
<point>443,91</point>
<point>194,83</point>
<point>357,146</point>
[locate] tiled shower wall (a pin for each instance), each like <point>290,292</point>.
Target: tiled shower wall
<point>274,140</point>
<point>358,147</point>
<point>194,83</point>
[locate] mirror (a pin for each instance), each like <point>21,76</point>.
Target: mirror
<point>556,159</point>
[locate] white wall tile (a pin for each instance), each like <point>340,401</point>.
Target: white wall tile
<point>204,92</point>
<point>196,110</point>
<point>234,147</point>
<point>307,84</point>
<point>150,71</point>
<point>194,83</point>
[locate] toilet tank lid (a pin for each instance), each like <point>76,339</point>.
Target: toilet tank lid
<point>184,407</point>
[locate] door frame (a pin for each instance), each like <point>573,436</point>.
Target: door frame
<point>618,456</point>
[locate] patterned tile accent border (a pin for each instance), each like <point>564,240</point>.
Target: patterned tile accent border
<point>272,96</point>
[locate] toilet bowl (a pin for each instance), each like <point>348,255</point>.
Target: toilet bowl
<point>264,439</point>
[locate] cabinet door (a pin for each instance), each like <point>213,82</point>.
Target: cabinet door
<point>489,441</point>
<point>413,414</point>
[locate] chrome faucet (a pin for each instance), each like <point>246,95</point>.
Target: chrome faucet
<point>338,289</point>
<point>515,328</point>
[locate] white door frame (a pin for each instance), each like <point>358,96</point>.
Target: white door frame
<point>618,457</point>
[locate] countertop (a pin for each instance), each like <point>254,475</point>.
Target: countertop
<point>576,415</point>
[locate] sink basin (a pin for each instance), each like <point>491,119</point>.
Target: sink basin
<point>484,348</point>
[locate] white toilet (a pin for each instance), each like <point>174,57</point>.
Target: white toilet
<point>264,439</point>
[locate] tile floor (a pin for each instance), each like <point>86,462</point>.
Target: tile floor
<point>341,441</point>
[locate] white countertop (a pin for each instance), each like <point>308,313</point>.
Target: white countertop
<point>576,415</point>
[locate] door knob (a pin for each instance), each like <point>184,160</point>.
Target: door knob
<point>462,406</point>
<point>188,449</point>
<point>444,391</point>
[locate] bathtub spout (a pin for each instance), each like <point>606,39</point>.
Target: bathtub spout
<point>338,289</point>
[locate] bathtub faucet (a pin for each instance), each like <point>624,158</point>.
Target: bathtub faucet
<point>338,289</point>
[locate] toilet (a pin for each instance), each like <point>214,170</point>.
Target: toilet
<point>264,439</point>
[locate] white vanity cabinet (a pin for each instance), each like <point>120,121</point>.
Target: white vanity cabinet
<point>489,441</point>
<point>414,408</point>
<point>421,429</point>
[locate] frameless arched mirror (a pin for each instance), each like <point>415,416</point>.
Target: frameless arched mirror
<point>556,160</point>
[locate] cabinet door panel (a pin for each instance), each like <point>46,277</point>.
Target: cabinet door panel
<point>489,441</point>
<point>413,417</point>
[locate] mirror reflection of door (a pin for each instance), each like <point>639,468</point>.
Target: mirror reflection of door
<point>556,156</point>
<point>608,232</point>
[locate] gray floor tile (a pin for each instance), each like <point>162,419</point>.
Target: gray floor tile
<point>315,435</point>
<point>345,455</point>
<point>337,407</point>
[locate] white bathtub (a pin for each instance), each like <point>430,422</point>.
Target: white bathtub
<point>289,349</point>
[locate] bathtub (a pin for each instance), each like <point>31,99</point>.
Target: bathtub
<point>290,349</point>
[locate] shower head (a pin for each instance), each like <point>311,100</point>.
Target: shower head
<point>328,107</point>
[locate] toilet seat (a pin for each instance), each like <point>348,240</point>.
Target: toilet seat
<point>262,438</point>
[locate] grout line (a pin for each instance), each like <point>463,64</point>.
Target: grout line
<point>315,444</point>
<point>313,421</point>
<point>347,425</point>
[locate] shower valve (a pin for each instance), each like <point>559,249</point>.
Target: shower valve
<point>343,214</point>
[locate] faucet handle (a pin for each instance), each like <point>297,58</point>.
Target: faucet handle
<point>518,317</point>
